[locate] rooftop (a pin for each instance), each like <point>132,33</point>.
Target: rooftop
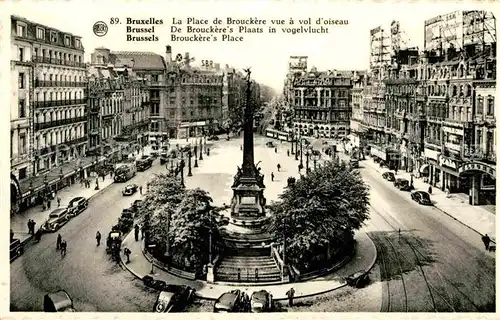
<point>140,60</point>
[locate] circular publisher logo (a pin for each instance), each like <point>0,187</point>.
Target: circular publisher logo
<point>100,28</point>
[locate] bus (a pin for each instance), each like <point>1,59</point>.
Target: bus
<point>124,171</point>
<point>144,163</point>
<point>280,135</point>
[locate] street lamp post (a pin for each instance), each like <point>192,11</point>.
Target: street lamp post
<point>201,149</point>
<point>316,157</point>
<point>182,171</point>
<point>190,174</point>
<point>196,156</point>
<point>293,141</point>
<point>308,153</point>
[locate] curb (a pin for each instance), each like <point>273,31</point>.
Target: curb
<point>124,265</point>
<point>443,211</point>
<point>25,241</point>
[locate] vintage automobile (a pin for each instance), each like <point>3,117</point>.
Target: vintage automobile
<point>358,279</point>
<point>114,243</point>
<point>57,219</point>
<point>163,157</point>
<point>144,163</point>
<point>213,138</point>
<point>128,213</point>
<point>173,298</point>
<point>16,249</point>
<point>77,205</point>
<point>270,144</point>
<point>136,205</point>
<point>130,190</point>
<point>402,184</point>
<point>59,301</point>
<point>421,197</point>
<point>151,282</point>
<point>389,176</point>
<point>261,301</point>
<point>354,163</point>
<point>232,301</point>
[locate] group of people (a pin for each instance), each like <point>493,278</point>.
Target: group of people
<point>61,245</point>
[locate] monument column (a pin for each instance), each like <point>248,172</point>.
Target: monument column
<point>248,155</point>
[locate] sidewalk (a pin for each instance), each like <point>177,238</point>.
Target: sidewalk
<point>18,222</point>
<point>474,217</point>
<point>363,259</point>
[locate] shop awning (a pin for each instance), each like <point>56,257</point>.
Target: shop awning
<point>424,168</point>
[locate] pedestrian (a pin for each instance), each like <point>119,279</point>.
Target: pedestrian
<point>58,241</point>
<point>127,253</point>
<point>98,238</point>
<point>275,150</point>
<point>64,247</point>
<point>142,228</point>
<point>136,232</point>
<point>49,202</point>
<point>430,190</point>
<point>29,226</point>
<point>288,153</point>
<point>140,189</point>
<point>58,202</point>
<point>486,240</point>
<point>103,176</point>
<point>241,147</point>
<point>447,192</point>
<point>38,235</point>
<point>53,195</point>
<point>272,176</point>
<point>290,294</point>
<point>208,151</point>
<point>279,167</point>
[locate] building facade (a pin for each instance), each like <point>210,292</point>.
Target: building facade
<point>194,97</point>
<point>321,102</point>
<point>438,118</point>
<point>48,112</point>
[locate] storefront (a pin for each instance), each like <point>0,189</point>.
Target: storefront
<point>432,157</point>
<point>450,177</point>
<point>482,182</point>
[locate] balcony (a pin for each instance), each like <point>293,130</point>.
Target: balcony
<point>57,123</point>
<point>457,123</point>
<point>155,98</point>
<point>69,63</point>
<point>155,83</point>
<point>57,103</point>
<point>434,119</point>
<point>48,83</point>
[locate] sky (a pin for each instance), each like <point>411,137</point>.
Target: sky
<point>344,47</point>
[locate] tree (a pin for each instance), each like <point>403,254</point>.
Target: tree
<point>319,212</point>
<point>192,222</point>
<point>162,190</point>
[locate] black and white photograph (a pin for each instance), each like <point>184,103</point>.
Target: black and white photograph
<point>249,157</point>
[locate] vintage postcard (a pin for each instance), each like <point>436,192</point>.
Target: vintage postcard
<point>249,157</point>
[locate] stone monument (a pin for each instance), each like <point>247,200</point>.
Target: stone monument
<point>248,202</point>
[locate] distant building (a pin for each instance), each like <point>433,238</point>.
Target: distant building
<point>321,103</point>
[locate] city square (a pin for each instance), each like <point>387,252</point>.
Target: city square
<point>153,178</point>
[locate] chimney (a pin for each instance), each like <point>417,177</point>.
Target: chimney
<point>168,54</point>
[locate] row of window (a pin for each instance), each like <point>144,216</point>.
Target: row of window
<point>61,77</point>
<point>201,100</point>
<point>60,115</point>
<point>52,35</point>
<point>57,95</point>
<point>56,137</point>
<point>313,93</point>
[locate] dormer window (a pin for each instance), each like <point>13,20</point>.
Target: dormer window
<point>40,33</point>
<point>77,43</point>
<point>21,29</point>
<point>67,41</point>
<point>53,37</point>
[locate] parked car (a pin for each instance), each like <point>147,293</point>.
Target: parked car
<point>59,301</point>
<point>174,298</point>
<point>149,281</point>
<point>261,301</point>
<point>270,144</point>
<point>77,205</point>
<point>354,163</point>
<point>130,189</point>
<point>136,205</point>
<point>16,249</point>
<point>421,197</point>
<point>389,176</point>
<point>128,213</point>
<point>213,138</point>
<point>358,279</point>
<point>402,184</point>
<point>57,219</point>
<point>231,301</point>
